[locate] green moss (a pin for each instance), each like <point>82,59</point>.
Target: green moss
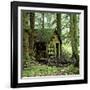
<point>44,70</point>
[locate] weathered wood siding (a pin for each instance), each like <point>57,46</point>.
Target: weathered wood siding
<point>52,46</point>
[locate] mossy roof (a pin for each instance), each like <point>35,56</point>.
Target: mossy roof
<point>45,35</point>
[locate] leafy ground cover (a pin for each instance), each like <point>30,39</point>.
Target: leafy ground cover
<point>45,70</point>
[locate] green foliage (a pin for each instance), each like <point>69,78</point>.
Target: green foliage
<point>70,70</point>
<point>45,24</point>
<point>44,70</point>
<point>49,18</point>
<point>67,50</point>
<point>40,70</point>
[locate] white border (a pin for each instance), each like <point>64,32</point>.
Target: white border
<point>51,78</point>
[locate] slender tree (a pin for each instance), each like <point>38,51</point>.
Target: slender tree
<point>74,38</point>
<point>42,20</point>
<point>31,33</point>
<point>59,30</point>
<point>26,30</point>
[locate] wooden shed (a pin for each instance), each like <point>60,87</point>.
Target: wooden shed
<point>53,46</point>
<point>47,45</point>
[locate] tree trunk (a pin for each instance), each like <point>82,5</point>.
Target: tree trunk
<point>42,21</point>
<point>25,43</point>
<point>74,38</point>
<point>26,62</point>
<point>59,30</point>
<point>31,34</point>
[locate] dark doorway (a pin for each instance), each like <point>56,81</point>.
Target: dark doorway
<point>40,49</point>
<point>57,49</point>
<point>40,46</point>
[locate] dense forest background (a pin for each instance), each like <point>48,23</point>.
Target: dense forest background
<point>44,23</point>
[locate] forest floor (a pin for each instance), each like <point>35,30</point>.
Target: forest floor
<point>42,69</point>
<point>45,70</point>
